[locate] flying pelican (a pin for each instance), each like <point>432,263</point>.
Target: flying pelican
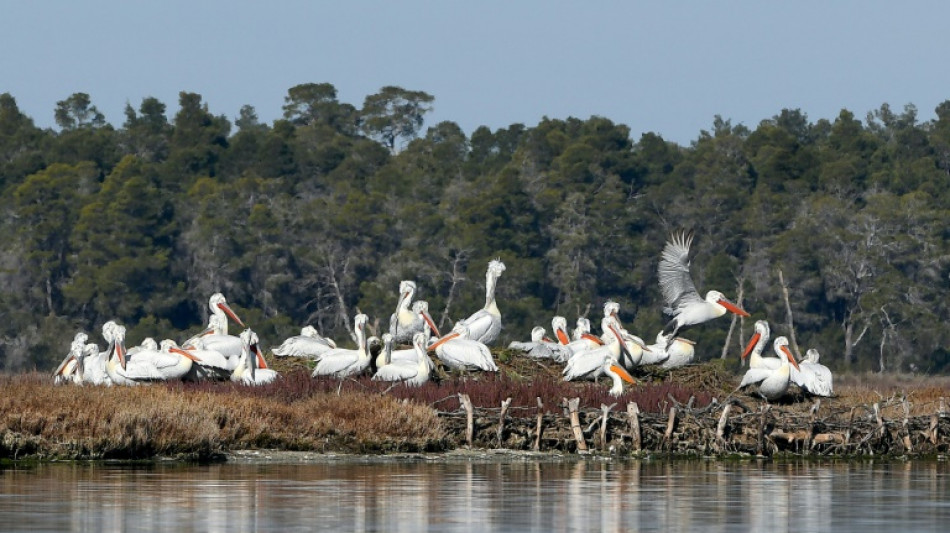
<point>342,362</point>
<point>459,351</point>
<point>590,364</point>
<point>308,344</point>
<point>773,383</point>
<point>680,352</point>
<point>813,377</point>
<point>679,291</point>
<point>412,373</point>
<point>216,334</point>
<point>387,355</point>
<point>68,370</point>
<point>249,369</point>
<point>485,324</point>
<point>123,371</point>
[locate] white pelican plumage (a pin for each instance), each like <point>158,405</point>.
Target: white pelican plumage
<point>812,377</point>
<point>68,370</point>
<point>210,364</point>
<point>756,346</point>
<point>411,372</point>
<point>590,364</point>
<point>459,351</point>
<point>618,375</point>
<point>308,344</point>
<point>582,327</point>
<point>388,355</point>
<point>679,291</point>
<point>541,347</point>
<point>656,353</point>
<point>124,371</point>
<point>636,347</point>
<point>343,362</point>
<point>773,382</point>
<point>679,352</point>
<point>485,324</point>
<point>405,323</point>
<point>215,336</point>
<point>251,368</point>
<point>168,359</point>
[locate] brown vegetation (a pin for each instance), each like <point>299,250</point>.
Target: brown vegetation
<point>204,420</point>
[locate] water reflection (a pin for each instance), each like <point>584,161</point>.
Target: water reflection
<point>480,496</point>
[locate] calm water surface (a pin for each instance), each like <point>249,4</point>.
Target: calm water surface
<point>501,495</point>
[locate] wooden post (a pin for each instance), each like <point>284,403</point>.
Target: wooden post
<point>670,424</point>
<point>907,444</point>
<point>633,415</point>
<point>847,435</point>
<point>572,407</point>
<point>469,418</point>
<point>763,419</point>
<point>813,418</point>
<point>934,422</point>
<point>605,410</point>
<point>537,429</point>
<point>880,420</point>
<point>721,426</point>
<point>501,421</point>
<point>943,407</point>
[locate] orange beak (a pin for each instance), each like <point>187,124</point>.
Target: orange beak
<point>791,358</point>
<point>593,338</point>
<point>562,336</point>
<point>428,319</point>
<point>443,340</point>
<point>120,353</point>
<point>186,353</point>
<point>227,310</point>
<point>752,342</point>
<point>261,363</point>
<point>732,307</point>
<point>624,375</point>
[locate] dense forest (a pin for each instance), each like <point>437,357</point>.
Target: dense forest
<point>319,215</point>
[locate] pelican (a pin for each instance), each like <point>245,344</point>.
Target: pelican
<point>308,344</point>
<point>215,336</point>
<point>618,375</point>
<point>773,383</point>
<point>405,323</point>
<point>582,341</point>
<point>636,347</point>
<point>485,324</point>
<point>459,351</point>
<point>68,370</point>
<point>342,362</point>
<point>680,352</point>
<point>148,343</point>
<point>813,377</point>
<point>412,373</point>
<point>657,353</point>
<point>168,359</point>
<point>251,368</point>
<point>387,355</point>
<point>210,364</point>
<point>590,364</point>
<point>541,347</point>
<point>123,371</point>
<point>679,291</point>
<point>757,344</point>
<point>582,327</point>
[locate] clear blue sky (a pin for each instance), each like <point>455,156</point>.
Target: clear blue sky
<point>665,67</point>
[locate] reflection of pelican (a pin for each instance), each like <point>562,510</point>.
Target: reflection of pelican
<point>251,368</point>
<point>459,352</point>
<point>308,344</point>
<point>773,383</point>
<point>413,373</point>
<point>679,291</point>
<point>343,362</point>
<point>485,324</point>
<point>813,377</point>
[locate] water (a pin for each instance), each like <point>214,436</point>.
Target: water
<point>499,495</point>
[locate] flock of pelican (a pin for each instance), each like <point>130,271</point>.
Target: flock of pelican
<point>615,353</point>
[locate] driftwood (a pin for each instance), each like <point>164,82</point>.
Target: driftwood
<point>887,427</point>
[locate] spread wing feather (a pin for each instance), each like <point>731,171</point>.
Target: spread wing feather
<point>675,281</point>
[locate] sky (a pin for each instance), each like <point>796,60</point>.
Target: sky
<point>663,67</point>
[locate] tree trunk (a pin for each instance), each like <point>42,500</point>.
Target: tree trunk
<point>788,315</point>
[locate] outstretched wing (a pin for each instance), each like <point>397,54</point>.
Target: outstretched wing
<point>675,282</point>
